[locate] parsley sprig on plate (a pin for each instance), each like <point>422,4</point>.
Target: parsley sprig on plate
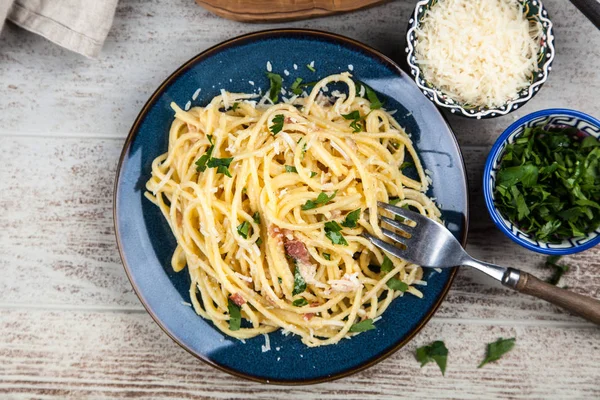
<point>549,183</point>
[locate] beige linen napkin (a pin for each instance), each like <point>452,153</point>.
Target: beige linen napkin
<point>78,25</point>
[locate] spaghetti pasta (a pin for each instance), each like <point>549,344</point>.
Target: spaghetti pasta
<point>268,201</point>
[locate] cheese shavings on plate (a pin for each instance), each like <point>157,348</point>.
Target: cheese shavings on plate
<point>478,52</point>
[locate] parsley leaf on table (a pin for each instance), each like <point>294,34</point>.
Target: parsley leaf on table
<point>559,270</point>
<point>497,349</point>
<point>435,351</point>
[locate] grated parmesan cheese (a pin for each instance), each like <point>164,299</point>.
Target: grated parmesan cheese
<point>478,52</point>
<point>267,346</point>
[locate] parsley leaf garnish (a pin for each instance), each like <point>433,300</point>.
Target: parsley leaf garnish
<point>275,80</point>
<point>222,165</point>
<point>322,198</point>
<point>256,217</point>
<point>436,351</point>
<point>364,325</point>
<point>559,270</point>
<point>548,183</point>
<point>497,349</point>
<point>386,265</point>
<point>235,316</point>
<point>277,124</point>
<point>299,283</point>
<point>235,106</point>
<point>355,117</point>
<point>313,174</point>
<point>351,219</point>
<point>300,302</point>
<point>327,256</point>
<point>201,162</point>
<point>333,233</point>
<point>397,284</point>
<point>258,241</point>
<point>243,229</point>
<point>291,168</point>
<point>295,88</point>
<point>406,164</point>
<point>371,95</point>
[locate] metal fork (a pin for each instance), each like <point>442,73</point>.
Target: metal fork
<point>430,244</point>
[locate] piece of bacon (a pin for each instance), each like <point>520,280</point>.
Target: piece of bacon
<point>297,250</point>
<point>237,299</point>
<point>308,316</point>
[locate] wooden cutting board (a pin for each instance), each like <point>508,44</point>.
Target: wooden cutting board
<point>281,10</point>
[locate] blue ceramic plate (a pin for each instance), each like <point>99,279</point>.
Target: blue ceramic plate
<point>146,242</point>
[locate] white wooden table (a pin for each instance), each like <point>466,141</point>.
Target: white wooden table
<point>70,324</point>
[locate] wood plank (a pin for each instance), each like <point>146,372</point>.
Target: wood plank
<point>120,355</point>
<point>59,231</point>
<point>75,96</point>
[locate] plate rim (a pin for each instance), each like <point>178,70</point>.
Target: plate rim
<point>254,36</point>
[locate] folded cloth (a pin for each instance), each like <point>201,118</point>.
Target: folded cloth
<point>78,25</point>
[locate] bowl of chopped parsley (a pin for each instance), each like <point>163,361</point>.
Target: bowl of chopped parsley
<point>542,181</point>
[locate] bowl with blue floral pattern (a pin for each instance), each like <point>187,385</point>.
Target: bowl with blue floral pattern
<point>534,12</point>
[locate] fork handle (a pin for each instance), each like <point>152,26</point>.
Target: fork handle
<point>586,307</point>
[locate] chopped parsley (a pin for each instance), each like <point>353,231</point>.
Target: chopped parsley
<point>201,162</point>
<point>310,67</point>
<point>371,95</point>
<point>333,233</point>
<point>243,229</point>
<point>436,351</point>
<point>299,283</point>
<point>258,241</point>
<point>222,165</point>
<point>291,169</point>
<point>322,198</point>
<point>406,164</point>
<point>559,270</point>
<point>351,219</point>
<point>275,89</point>
<point>277,124</point>
<point>256,217</point>
<point>295,88</point>
<point>235,316</point>
<point>548,183</point>
<point>279,279</point>
<point>355,117</point>
<point>300,302</point>
<point>386,265</point>
<point>313,174</point>
<point>327,256</point>
<point>397,284</point>
<point>235,106</point>
<point>364,325</point>
<point>497,349</point>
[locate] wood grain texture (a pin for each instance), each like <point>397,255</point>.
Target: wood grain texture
<point>70,324</point>
<point>118,355</point>
<point>281,10</point>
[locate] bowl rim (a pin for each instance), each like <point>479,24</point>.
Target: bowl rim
<point>484,112</point>
<point>133,134</point>
<point>487,186</point>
